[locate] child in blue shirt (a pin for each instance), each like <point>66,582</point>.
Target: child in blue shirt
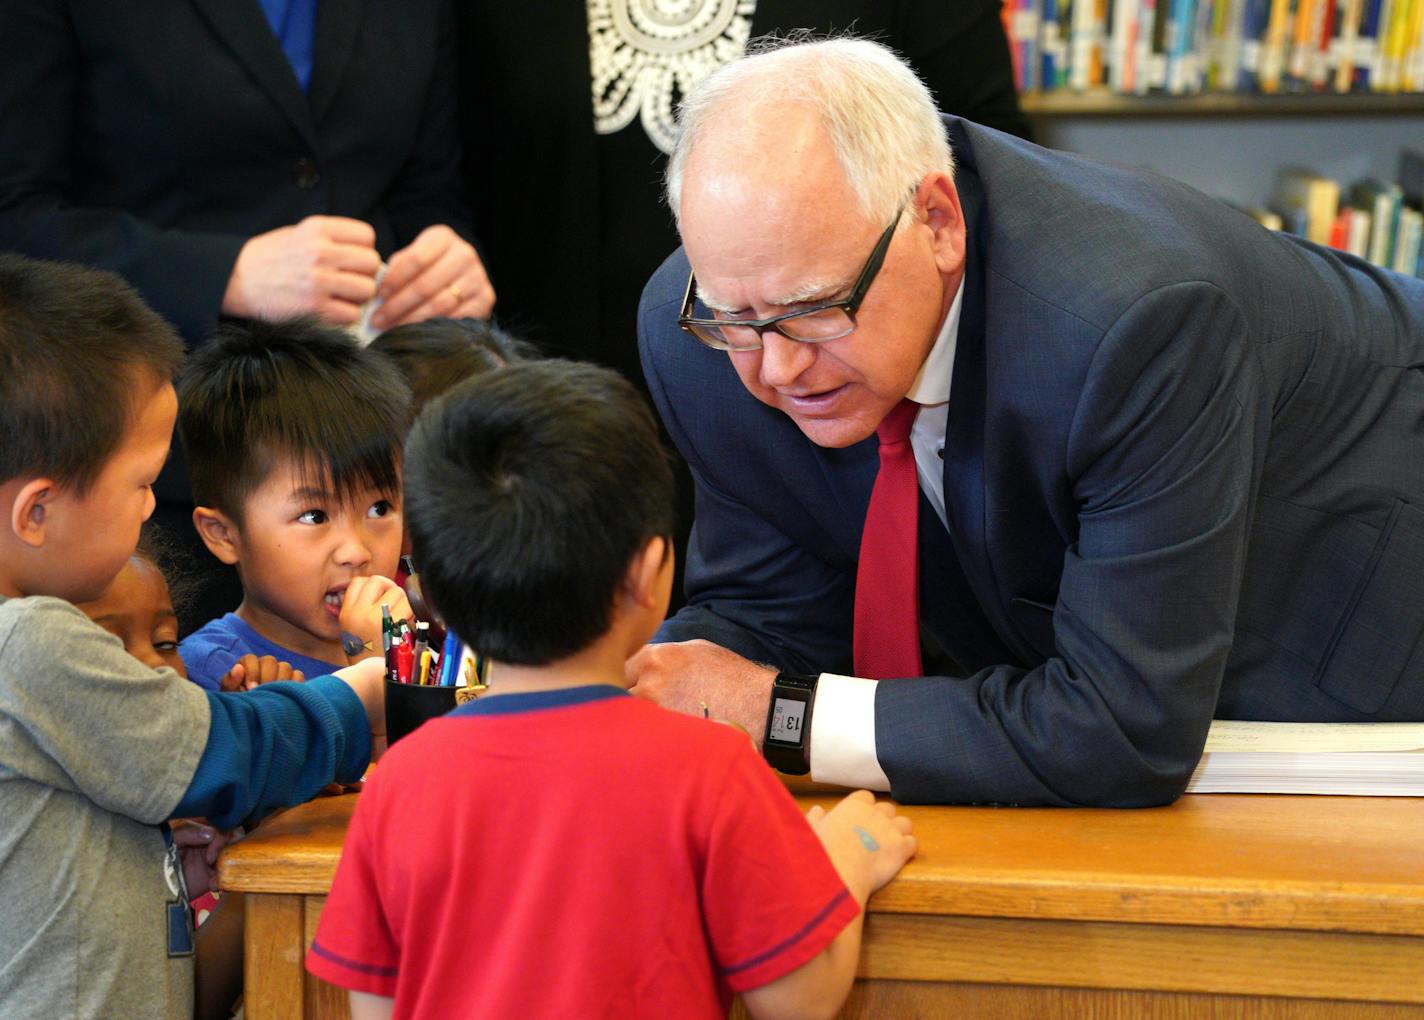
<point>293,436</point>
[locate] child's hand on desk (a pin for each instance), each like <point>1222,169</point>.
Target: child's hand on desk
<point>867,841</point>
<point>252,671</point>
<point>198,847</point>
<point>368,679</point>
<point>361,611</point>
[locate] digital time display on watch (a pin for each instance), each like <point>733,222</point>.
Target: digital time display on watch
<point>787,717</point>
<point>786,744</point>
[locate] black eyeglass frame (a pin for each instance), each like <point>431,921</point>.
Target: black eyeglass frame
<point>849,304</point>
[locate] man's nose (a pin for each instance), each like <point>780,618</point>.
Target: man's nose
<point>783,360</point>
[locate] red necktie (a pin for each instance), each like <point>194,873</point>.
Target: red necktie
<point>887,583</point>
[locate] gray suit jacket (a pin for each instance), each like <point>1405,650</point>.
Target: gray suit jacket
<point>1184,475</point>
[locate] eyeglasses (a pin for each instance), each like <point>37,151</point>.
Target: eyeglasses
<point>829,320</point>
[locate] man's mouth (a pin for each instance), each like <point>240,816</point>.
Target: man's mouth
<point>812,403</point>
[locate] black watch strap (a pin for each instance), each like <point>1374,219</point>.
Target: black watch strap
<point>786,745</point>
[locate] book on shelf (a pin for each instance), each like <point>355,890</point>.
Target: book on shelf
<point>1309,199</point>
<point>1181,47</point>
<point>1356,759</point>
<point>1379,221</point>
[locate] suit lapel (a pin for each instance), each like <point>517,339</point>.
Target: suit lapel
<point>964,440</point>
<point>242,27</point>
<point>338,22</point>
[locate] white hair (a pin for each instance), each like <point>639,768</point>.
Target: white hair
<point>880,118</point>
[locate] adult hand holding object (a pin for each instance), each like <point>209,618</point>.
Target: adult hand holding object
<point>439,273</point>
<point>324,266</point>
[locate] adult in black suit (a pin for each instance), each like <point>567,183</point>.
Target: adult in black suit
<point>595,180</point>
<point>171,141</point>
<point>1183,457</point>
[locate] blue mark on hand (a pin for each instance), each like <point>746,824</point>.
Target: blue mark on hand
<point>867,840</point>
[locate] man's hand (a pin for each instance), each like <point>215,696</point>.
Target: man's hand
<point>866,840</point>
<point>252,671</point>
<point>439,273</point>
<point>361,610</point>
<point>687,675</point>
<point>198,847</point>
<point>324,266</point>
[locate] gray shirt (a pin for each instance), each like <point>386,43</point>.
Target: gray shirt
<point>96,750</point>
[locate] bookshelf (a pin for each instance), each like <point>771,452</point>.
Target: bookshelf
<point>1231,145</point>
<point>1051,106</point>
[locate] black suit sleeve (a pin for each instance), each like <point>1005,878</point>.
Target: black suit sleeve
<point>183,274</point>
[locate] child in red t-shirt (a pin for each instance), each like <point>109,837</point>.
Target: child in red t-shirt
<point>558,847</point>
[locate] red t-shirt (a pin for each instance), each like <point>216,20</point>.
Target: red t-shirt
<point>575,853</point>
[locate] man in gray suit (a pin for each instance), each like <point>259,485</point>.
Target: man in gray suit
<point>1169,464</point>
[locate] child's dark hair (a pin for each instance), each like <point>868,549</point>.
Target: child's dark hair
<point>438,353</point>
<point>75,346</point>
<point>259,393</point>
<point>529,491</point>
<point>173,564</point>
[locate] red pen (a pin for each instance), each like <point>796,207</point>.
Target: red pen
<point>405,661</point>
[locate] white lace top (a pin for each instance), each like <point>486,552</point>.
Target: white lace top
<point>646,54</point>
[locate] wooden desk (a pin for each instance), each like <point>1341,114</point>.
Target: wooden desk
<point>1215,907</point>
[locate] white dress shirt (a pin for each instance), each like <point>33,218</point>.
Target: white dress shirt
<point>843,718</point>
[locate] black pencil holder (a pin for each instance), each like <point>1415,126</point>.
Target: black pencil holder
<point>409,705</point>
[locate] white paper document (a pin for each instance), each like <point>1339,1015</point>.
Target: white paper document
<point>1359,759</point>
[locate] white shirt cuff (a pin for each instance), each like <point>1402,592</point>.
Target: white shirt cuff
<point>843,734</point>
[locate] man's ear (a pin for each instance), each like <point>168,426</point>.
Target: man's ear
<point>218,533</point>
<point>939,199</point>
<point>29,513</point>
<point>645,571</point>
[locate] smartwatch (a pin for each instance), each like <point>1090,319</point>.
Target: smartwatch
<point>787,744</point>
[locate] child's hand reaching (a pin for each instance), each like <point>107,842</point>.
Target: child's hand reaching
<point>252,671</point>
<point>361,610</point>
<point>867,841</point>
<point>368,679</point>
<point>198,847</point>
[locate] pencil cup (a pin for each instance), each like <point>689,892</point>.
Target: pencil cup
<point>409,705</point>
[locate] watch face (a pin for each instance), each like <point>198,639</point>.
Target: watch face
<point>787,715</point>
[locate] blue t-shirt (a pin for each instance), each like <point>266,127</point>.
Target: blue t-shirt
<point>214,648</point>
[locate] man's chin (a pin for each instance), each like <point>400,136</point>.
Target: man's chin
<point>833,433</point>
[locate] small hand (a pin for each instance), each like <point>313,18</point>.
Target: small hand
<point>252,671</point>
<point>439,273</point>
<point>685,675</point>
<point>361,612</point>
<point>867,841</point>
<point>199,845</point>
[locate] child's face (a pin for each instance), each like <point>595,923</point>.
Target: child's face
<point>138,610</point>
<point>298,549</point>
<point>89,537</point>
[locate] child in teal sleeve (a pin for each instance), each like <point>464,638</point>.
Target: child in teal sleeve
<point>293,437</point>
<point>97,748</point>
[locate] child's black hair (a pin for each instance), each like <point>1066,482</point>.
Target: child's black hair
<point>438,353</point>
<point>173,564</point>
<point>258,394</point>
<point>78,350</point>
<point>530,490</point>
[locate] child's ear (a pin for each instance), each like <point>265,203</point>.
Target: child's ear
<point>218,533</point>
<point>29,513</point>
<point>643,582</point>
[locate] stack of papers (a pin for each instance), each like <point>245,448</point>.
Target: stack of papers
<point>1358,759</point>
